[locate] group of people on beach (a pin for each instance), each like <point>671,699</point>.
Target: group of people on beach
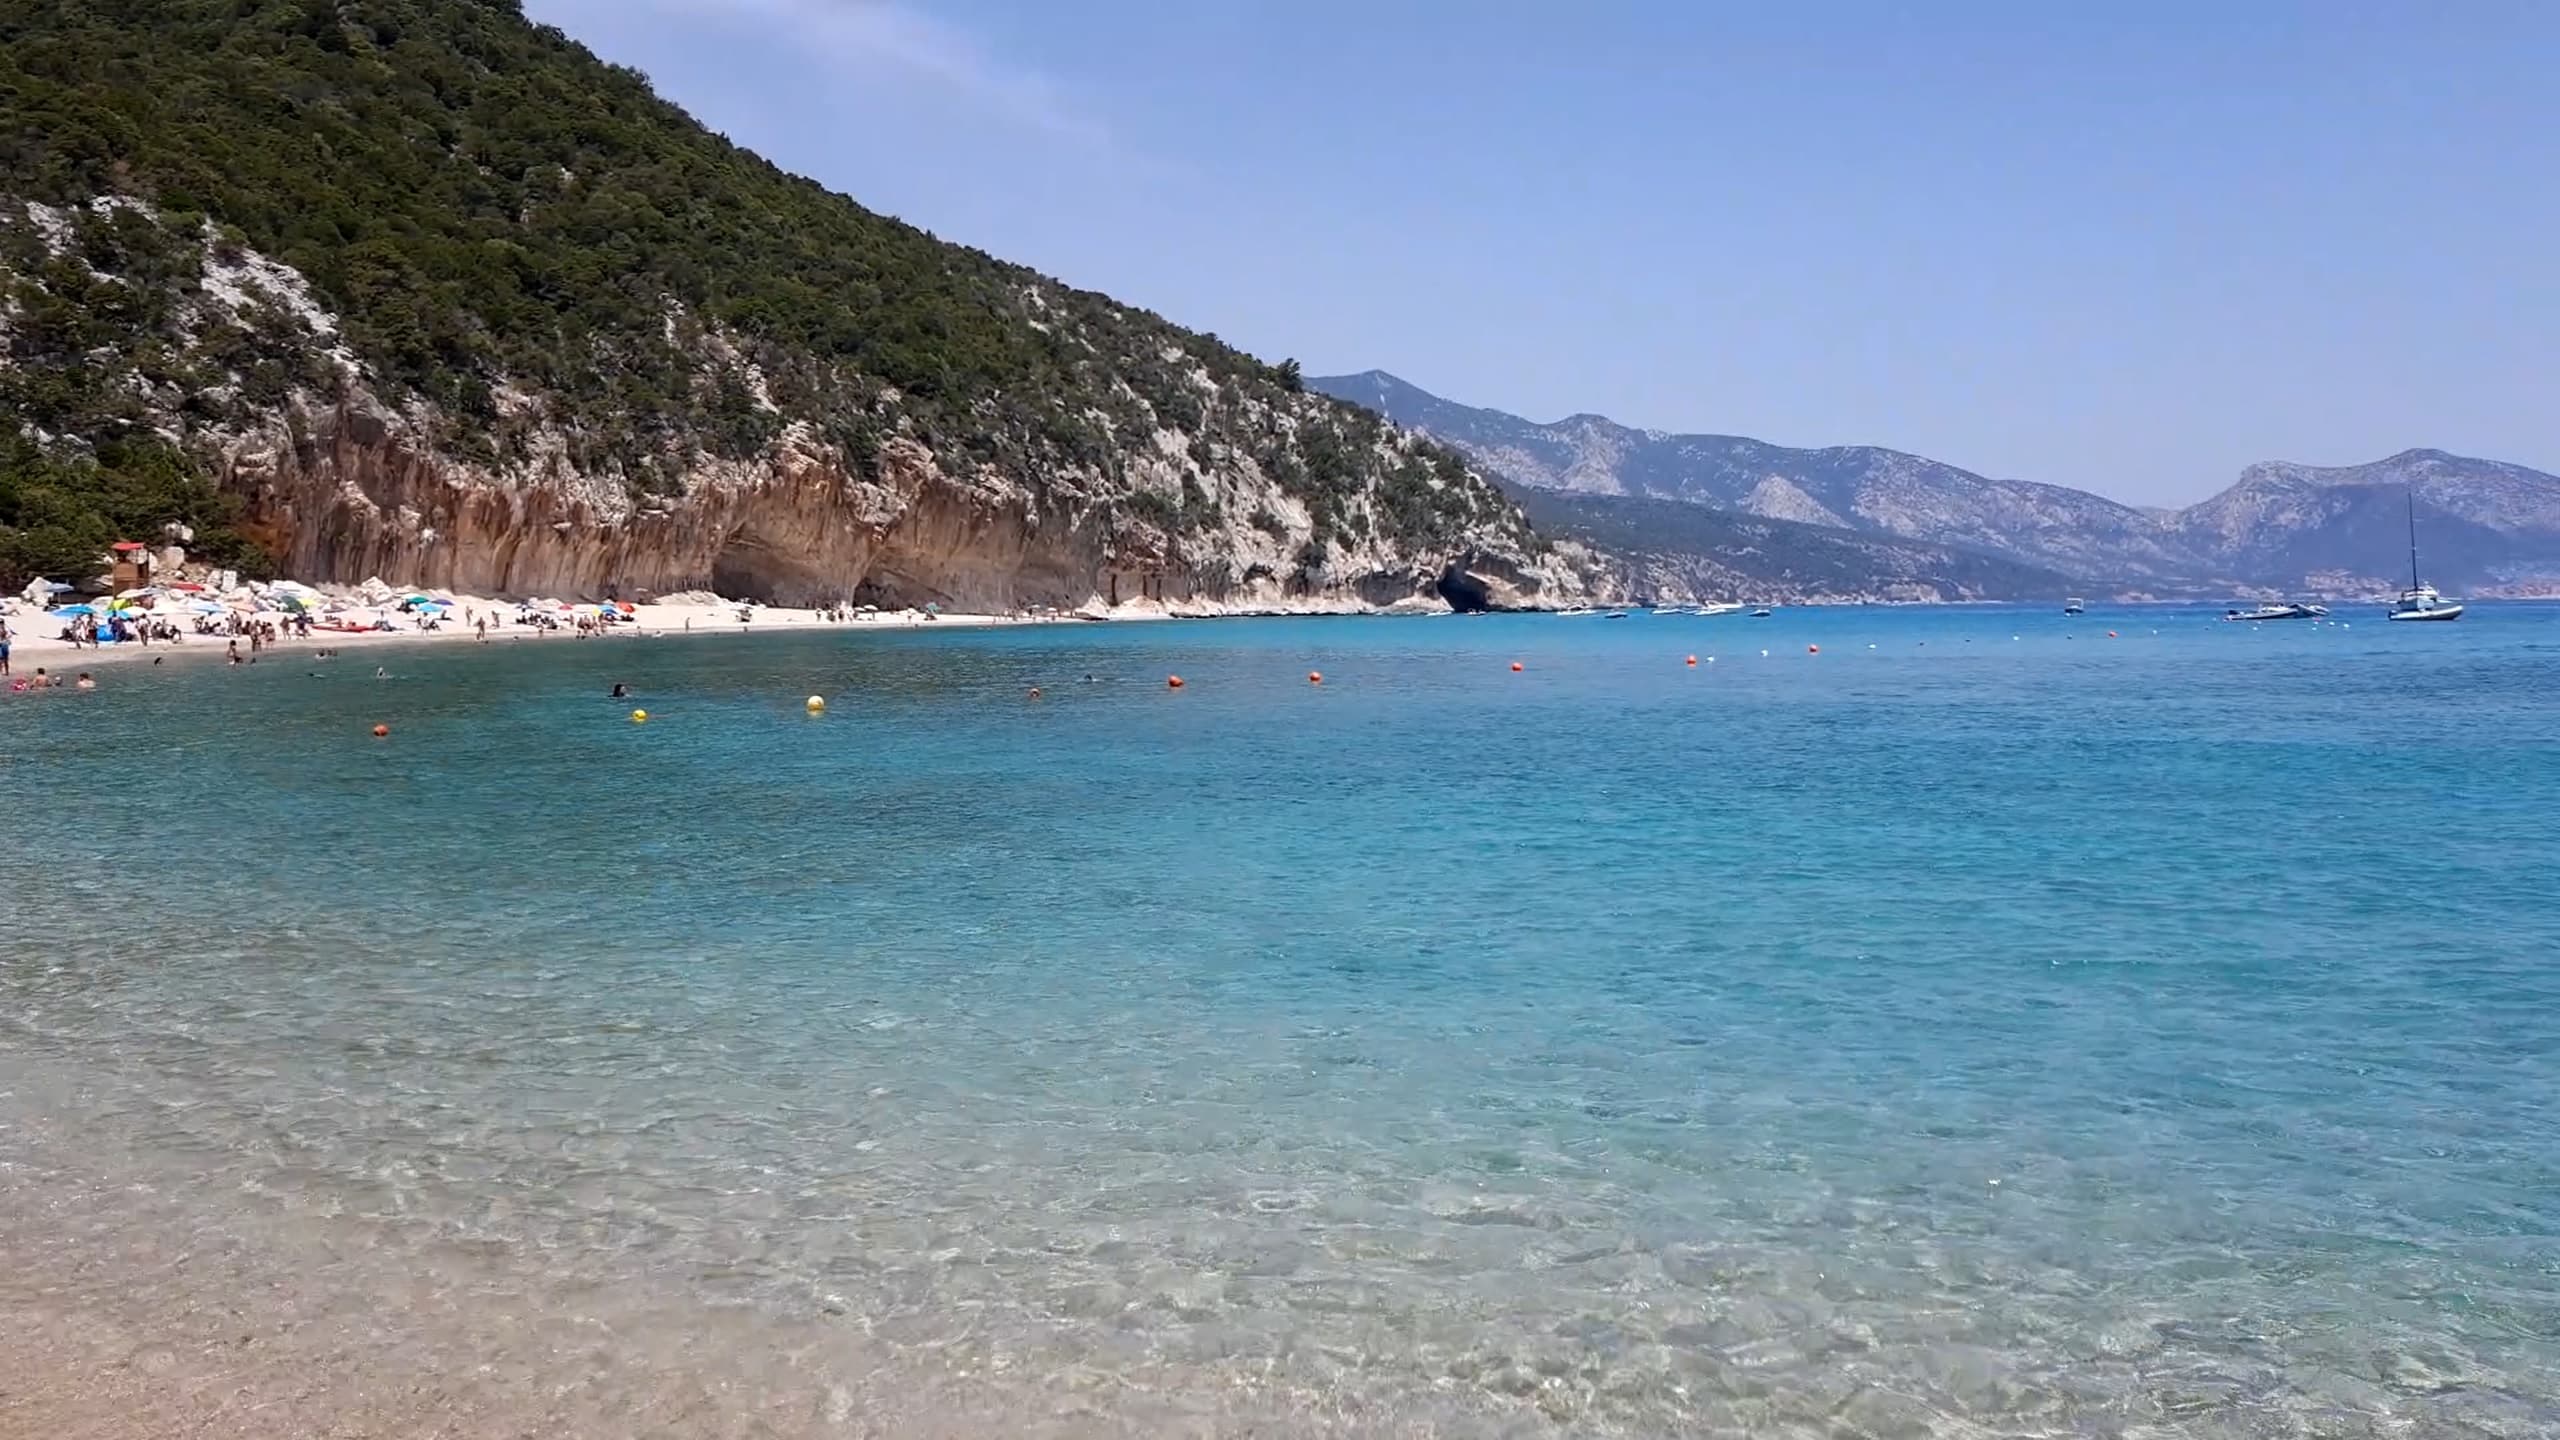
<point>118,629</point>
<point>126,628</point>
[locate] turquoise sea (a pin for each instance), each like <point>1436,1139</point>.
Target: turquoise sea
<point>1983,1026</point>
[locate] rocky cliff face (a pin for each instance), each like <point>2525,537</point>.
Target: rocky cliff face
<point>448,299</point>
<point>345,490</point>
<point>1254,498</point>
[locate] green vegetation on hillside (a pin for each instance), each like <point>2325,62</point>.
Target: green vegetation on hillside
<point>486,205</point>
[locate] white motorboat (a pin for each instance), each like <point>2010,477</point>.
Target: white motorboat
<point>2280,611</point>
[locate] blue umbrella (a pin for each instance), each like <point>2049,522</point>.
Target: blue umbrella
<point>68,612</point>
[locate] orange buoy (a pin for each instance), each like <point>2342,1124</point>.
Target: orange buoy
<point>379,731</point>
<point>1693,660</point>
<point>2111,634</point>
<point>1517,667</point>
<point>1813,649</point>
<point>1315,677</point>
<point>1173,682</point>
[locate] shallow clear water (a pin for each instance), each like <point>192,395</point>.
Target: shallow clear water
<point>2003,1030</point>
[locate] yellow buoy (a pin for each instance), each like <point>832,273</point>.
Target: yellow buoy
<point>639,716</point>
<point>817,704</point>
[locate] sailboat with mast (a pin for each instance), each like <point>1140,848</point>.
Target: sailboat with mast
<point>2420,601</point>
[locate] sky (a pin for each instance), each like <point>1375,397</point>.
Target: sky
<point>2129,248</point>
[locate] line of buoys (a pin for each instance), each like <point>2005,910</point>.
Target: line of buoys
<point>1173,682</point>
<point>639,717</point>
<point>381,731</point>
<point>817,704</point>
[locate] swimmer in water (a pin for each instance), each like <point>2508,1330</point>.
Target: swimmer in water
<point>1035,692</point>
<point>621,691</point>
<point>381,674</point>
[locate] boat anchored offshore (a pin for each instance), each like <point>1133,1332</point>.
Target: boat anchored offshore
<point>2279,611</point>
<point>2420,601</point>
<point>2075,606</point>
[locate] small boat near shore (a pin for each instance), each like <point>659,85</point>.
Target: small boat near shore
<point>2075,606</point>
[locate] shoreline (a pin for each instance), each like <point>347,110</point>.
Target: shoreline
<point>60,658</point>
<point>659,620</point>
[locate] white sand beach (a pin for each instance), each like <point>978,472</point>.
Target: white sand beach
<point>37,637</point>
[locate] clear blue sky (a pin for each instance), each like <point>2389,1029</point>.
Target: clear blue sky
<point>2129,251</point>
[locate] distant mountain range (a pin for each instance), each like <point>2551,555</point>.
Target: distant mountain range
<point>1678,551</point>
<point>2486,527</point>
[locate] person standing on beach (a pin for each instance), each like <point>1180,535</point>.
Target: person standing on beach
<point>4,647</point>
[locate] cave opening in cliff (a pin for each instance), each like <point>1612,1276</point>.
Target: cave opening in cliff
<point>751,567</point>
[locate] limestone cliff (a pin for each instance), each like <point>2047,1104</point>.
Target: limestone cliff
<point>339,491</point>
<point>442,297</point>
<point>340,484</point>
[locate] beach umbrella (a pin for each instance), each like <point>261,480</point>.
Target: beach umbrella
<point>71,612</point>
<point>206,607</point>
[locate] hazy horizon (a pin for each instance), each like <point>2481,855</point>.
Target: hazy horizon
<point>2129,255</point>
